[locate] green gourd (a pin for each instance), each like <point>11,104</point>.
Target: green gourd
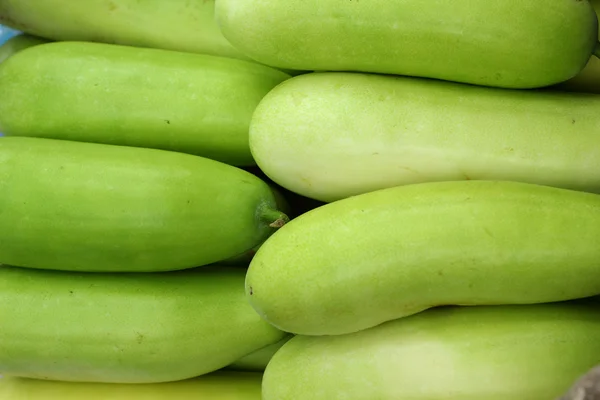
<point>502,43</point>
<point>329,136</point>
<point>219,385</point>
<point>526,352</point>
<point>358,262</point>
<point>93,207</point>
<point>92,92</point>
<point>125,328</point>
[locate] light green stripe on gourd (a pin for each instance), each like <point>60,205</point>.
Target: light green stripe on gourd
<point>528,352</point>
<point>126,328</point>
<point>361,261</point>
<point>94,207</point>
<point>219,385</point>
<point>333,135</point>
<point>91,92</point>
<point>503,43</point>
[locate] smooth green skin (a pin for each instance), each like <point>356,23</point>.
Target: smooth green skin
<point>258,360</point>
<point>529,352</point>
<point>329,136</point>
<point>17,44</point>
<point>180,25</point>
<point>92,92</point>
<point>125,328</point>
<point>361,261</point>
<point>219,385</point>
<point>503,43</point>
<point>92,207</point>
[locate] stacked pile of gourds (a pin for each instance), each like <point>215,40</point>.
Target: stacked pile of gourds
<point>299,200</point>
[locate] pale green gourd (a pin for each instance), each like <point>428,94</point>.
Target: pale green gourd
<point>332,135</point>
<point>527,352</point>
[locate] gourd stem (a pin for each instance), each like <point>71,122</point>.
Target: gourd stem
<point>275,219</point>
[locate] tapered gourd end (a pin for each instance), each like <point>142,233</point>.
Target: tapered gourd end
<point>275,219</point>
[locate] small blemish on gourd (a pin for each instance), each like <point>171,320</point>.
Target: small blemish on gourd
<point>139,338</point>
<point>488,232</point>
<point>251,292</point>
<point>306,181</point>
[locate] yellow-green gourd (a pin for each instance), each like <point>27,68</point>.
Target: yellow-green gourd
<point>358,262</point>
<point>503,43</point>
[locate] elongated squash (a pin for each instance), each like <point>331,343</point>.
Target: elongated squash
<point>503,43</point>
<point>122,95</point>
<point>180,25</point>
<point>528,352</point>
<point>361,261</point>
<point>333,135</point>
<point>219,385</point>
<point>92,207</point>
<point>125,328</point>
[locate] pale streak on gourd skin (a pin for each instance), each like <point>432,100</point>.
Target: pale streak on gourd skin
<point>358,262</point>
<point>332,135</point>
<point>525,352</point>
